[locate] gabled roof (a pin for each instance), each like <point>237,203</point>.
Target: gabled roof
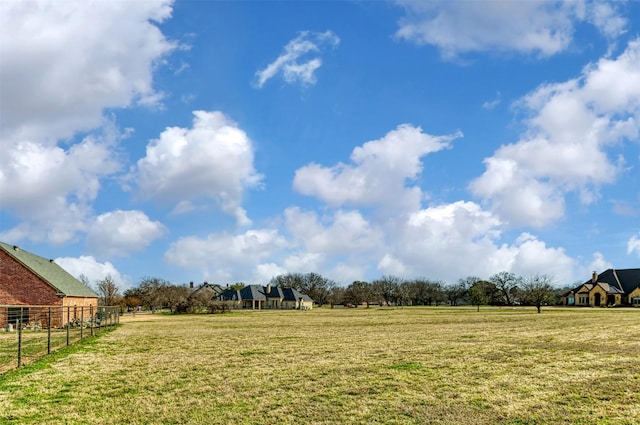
<point>291,294</point>
<point>230,295</point>
<point>614,281</point>
<point>50,272</point>
<point>259,292</point>
<point>213,288</point>
<point>253,292</point>
<point>629,279</point>
<point>610,289</point>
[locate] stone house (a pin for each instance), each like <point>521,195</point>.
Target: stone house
<point>258,297</point>
<point>611,287</point>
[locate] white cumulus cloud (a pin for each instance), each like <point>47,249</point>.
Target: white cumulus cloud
<point>120,233</point>
<point>379,171</point>
<point>93,270</point>
<point>213,160</point>
<point>63,64</point>
<point>50,188</point>
<point>343,232</point>
<point>434,241</point>
<point>564,149</point>
<point>222,257</point>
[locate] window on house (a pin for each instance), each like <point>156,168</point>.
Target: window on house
<point>636,301</point>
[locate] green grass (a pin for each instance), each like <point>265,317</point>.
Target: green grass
<point>342,366</point>
<point>34,344</point>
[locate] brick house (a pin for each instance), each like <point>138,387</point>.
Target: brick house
<point>611,287</point>
<point>29,280</point>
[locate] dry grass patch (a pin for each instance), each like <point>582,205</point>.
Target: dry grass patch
<point>344,366</point>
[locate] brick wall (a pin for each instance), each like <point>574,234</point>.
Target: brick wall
<point>20,286</point>
<point>80,308</point>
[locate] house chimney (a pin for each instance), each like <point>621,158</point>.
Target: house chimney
<point>268,288</point>
<point>191,284</point>
<point>594,277</point>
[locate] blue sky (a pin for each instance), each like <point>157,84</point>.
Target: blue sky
<point>234,141</point>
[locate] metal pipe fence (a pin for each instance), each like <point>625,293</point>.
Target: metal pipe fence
<point>29,332</point>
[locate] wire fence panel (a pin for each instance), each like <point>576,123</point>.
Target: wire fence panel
<point>30,332</point>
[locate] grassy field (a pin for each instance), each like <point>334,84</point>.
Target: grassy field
<point>342,366</point>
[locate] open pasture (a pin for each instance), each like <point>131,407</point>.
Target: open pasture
<point>343,366</point>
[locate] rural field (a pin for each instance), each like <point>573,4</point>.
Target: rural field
<point>415,365</point>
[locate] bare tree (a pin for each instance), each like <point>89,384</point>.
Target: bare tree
<point>84,280</point>
<point>507,283</point>
<point>386,288</point>
<point>456,291</point>
<point>175,297</point>
<point>289,280</point>
<point>538,290</point>
<point>312,284</point>
<point>151,291</point>
<point>108,291</point>
<point>428,292</point>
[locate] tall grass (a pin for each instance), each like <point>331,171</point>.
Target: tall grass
<point>343,366</point>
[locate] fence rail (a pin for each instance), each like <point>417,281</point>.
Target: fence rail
<point>28,332</point>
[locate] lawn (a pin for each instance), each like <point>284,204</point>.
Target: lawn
<point>342,366</point>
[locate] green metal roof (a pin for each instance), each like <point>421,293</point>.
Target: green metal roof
<point>48,270</point>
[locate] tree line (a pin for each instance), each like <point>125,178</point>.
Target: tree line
<point>503,288</point>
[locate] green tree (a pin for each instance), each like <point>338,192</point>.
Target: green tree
<point>237,286</point>
<point>482,292</point>
<point>358,292</point>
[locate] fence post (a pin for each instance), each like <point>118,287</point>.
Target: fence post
<point>68,317</point>
<point>49,332</point>
<point>19,324</point>
<point>81,321</point>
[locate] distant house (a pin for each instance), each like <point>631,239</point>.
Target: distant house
<point>205,290</point>
<point>27,279</point>
<point>257,297</point>
<point>200,298</point>
<point>611,287</point>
